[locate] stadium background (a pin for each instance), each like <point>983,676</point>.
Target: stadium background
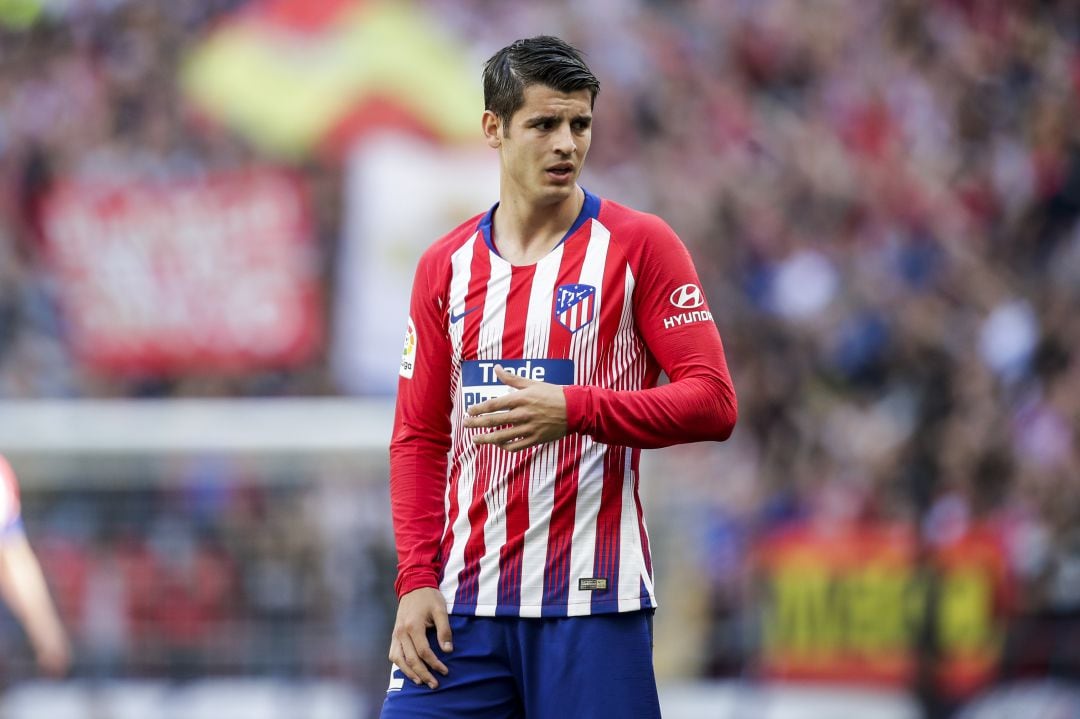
<point>209,215</point>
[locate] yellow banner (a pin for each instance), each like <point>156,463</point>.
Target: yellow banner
<point>855,606</point>
<point>288,89</point>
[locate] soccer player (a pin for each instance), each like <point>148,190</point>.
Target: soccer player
<point>528,386</point>
<point>23,586</point>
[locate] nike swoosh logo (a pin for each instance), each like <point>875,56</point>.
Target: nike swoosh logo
<point>455,318</point>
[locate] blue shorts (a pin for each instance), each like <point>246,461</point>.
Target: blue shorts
<point>561,668</point>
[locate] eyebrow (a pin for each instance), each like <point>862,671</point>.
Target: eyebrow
<point>537,119</point>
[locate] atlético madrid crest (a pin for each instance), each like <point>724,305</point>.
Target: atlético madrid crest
<point>575,305</point>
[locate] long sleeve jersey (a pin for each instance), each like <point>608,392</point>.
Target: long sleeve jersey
<point>557,529</point>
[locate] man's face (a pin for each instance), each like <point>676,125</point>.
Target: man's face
<point>543,147</point>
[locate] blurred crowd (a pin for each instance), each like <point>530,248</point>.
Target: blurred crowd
<point>90,94</point>
<point>212,567</point>
<point>882,198</point>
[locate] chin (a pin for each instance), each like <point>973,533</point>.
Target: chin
<point>552,194</point>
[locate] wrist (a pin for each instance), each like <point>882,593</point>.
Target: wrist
<point>418,579</point>
<point>578,408</point>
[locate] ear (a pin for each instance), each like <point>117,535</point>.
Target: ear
<point>492,127</point>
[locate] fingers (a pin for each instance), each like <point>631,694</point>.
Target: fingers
<point>510,439</point>
<point>484,408</point>
<point>416,664</point>
<point>410,663</point>
<point>496,419</point>
<point>493,405</point>
<point>410,648</point>
<point>512,380</point>
<point>521,419</point>
<point>442,631</point>
<point>521,443</point>
<point>515,429</point>
<point>428,658</point>
<point>499,404</point>
<point>411,651</point>
<point>397,658</point>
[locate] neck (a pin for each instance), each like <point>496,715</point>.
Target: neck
<point>524,232</point>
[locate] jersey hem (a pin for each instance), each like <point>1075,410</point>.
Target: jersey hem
<point>546,611</point>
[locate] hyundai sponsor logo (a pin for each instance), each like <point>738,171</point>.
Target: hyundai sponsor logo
<point>688,297</point>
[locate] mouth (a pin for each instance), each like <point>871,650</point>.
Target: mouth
<point>562,171</point>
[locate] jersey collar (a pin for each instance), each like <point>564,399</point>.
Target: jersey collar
<point>590,210</point>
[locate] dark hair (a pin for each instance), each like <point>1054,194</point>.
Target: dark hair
<point>541,60</point>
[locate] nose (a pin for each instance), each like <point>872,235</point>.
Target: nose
<point>564,140</point>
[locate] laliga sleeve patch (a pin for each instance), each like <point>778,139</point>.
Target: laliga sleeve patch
<point>408,352</point>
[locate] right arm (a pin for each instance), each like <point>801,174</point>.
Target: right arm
<point>25,591</point>
<point>418,475</point>
<point>22,584</point>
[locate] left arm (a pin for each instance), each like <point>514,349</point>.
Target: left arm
<point>699,404</point>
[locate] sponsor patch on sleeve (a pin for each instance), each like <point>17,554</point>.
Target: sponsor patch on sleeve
<point>408,352</point>
<point>690,299</point>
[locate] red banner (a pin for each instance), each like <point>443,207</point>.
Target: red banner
<point>217,274</point>
<point>854,605</point>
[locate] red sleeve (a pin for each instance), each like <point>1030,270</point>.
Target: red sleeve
<point>421,437</point>
<point>675,323</point>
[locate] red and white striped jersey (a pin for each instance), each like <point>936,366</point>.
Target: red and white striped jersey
<point>10,508</point>
<point>557,529</point>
